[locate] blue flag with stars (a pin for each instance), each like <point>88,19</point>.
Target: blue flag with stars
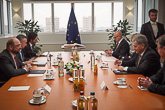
<point>72,35</point>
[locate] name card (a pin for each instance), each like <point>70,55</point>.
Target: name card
<point>47,88</point>
<point>103,86</point>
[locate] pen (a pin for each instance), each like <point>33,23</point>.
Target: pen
<point>34,91</point>
<point>130,87</point>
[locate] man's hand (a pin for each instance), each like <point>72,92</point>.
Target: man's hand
<point>28,67</point>
<point>117,62</point>
<point>144,82</point>
<point>121,68</point>
<point>28,62</point>
<point>38,55</point>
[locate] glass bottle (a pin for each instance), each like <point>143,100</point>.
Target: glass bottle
<point>92,102</point>
<point>48,58</point>
<point>76,85</point>
<point>77,57</point>
<point>92,60</point>
<point>95,69</point>
<point>61,67</point>
<point>81,102</point>
<point>81,84</point>
<point>74,54</point>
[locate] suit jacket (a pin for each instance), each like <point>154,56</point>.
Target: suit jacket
<point>122,50</point>
<point>148,32</point>
<point>148,65</point>
<point>21,57</point>
<point>158,85</point>
<point>7,66</point>
<point>28,52</point>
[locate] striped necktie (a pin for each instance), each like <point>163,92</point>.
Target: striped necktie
<point>139,60</point>
<point>15,59</point>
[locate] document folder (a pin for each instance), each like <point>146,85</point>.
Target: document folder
<point>37,72</point>
<point>117,72</point>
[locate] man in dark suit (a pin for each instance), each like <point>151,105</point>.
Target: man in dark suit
<point>146,61</point>
<point>156,83</point>
<point>29,49</point>
<point>122,47</point>
<point>10,65</point>
<point>23,41</point>
<point>152,29</point>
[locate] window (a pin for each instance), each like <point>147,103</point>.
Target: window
<point>53,17</point>
<point>42,14</point>
<point>27,9</point>
<point>139,15</point>
<point>118,12</point>
<point>83,13</point>
<point>61,16</point>
<point>102,16</point>
<point>141,11</point>
<point>5,17</point>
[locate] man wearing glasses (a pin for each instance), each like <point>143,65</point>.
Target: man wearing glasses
<point>11,65</point>
<point>122,47</point>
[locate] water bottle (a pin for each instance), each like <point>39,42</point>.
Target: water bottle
<point>92,102</point>
<point>61,67</point>
<point>48,58</point>
<point>81,102</point>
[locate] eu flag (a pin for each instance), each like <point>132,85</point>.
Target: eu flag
<point>72,35</point>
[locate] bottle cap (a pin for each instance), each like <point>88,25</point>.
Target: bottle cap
<point>92,93</point>
<point>81,92</point>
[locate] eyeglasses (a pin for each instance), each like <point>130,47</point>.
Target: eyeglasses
<point>17,45</point>
<point>116,37</point>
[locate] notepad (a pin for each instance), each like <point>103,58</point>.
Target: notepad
<point>39,63</point>
<point>19,88</point>
<point>35,75</point>
<point>37,72</point>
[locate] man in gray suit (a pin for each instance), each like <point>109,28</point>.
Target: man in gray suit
<point>156,83</point>
<point>23,41</point>
<point>10,65</point>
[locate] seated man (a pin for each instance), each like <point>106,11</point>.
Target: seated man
<point>146,61</point>
<point>156,83</point>
<point>10,65</point>
<point>29,49</point>
<point>23,41</point>
<point>122,47</point>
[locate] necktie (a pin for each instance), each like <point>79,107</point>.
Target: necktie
<point>15,62</point>
<point>139,60</point>
<point>116,46</point>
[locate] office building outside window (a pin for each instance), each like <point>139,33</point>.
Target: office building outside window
<point>61,16</point>
<point>42,12</point>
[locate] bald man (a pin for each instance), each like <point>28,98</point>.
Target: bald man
<point>122,47</point>
<point>10,64</point>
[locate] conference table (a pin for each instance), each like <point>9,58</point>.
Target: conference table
<point>62,91</point>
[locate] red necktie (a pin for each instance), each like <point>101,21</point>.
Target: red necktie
<point>16,62</point>
<point>116,46</point>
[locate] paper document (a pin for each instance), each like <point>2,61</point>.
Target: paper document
<point>34,75</point>
<point>19,88</point>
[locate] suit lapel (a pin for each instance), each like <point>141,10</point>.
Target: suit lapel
<point>143,56</point>
<point>11,59</point>
<point>119,45</point>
